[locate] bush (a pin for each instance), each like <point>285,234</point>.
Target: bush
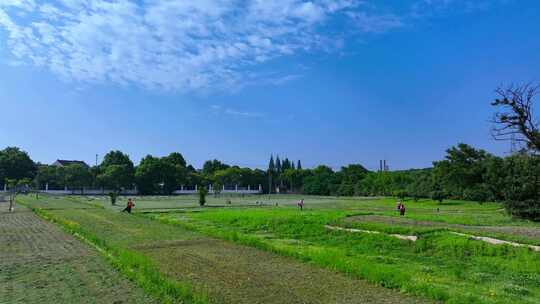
<point>438,196</point>
<point>522,189</point>
<point>477,194</point>
<point>113,196</point>
<point>202,196</point>
<point>527,209</point>
<point>401,194</point>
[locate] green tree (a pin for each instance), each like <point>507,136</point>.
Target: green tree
<point>211,166</point>
<point>271,174</point>
<point>16,164</point>
<point>278,165</point>
<point>117,177</point>
<point>116,171</point>
<point>522,186</point>
<point>464,168</point>
<point>320,182</point>
<point>299,165</point>
<point>438,195</point>
<point>349,177</point>
<point>48,175</point>
<point>77,176</point>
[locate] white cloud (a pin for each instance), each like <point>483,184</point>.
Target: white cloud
<point>375,23</point>
<point>172,44</point>
<point>217,109</point>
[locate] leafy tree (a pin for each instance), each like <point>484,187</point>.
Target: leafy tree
<point>176,159</point>
<point>278,165</point>
<point>77,176</point>
<point>438,196</point>
<point>116,158</point>
<point>522,190</point>
<point>148,175</point>
<point>16,164</point>
<point>217,187</point>
<point>299,165</point>
<point>349,177</point>
<point>321,182</point>
<point>211,166</point>
<point>401,194</point>
<point>116,177</point>
<point>463,168</point>
<point>49,175</point>
<point>295,178</point>
<point>271,173</point>
<point>116,171</point>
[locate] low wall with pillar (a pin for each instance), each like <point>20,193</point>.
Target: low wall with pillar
<point>211,190</point>
<point>182,190</point>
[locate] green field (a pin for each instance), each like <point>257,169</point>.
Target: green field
<point>260,249</point>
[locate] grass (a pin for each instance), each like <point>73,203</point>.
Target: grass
<point>39,263</point>
<point>440,265</point>
<point>135,266</point>
<point>178,264</point>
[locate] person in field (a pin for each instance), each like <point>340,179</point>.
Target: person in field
<point>129,206</point>
<point>398,206</point>
<point>402,210</point>
<point>301,204</point>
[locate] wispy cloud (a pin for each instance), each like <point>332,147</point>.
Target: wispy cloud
<point>233,112</point>
<point>179,45</point>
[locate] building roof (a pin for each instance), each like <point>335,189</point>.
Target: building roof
<point>63,163</point>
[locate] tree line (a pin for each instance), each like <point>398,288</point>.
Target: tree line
<point>465,173</point>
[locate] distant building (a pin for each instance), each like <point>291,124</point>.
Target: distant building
<point>64,163</point>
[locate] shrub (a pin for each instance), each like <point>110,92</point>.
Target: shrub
<point>401,194</point>
<point>522,187</point>
<point>202,195</point>
<point>113,195</point>
<point>477,194</point>
<point>528,209</point>
<point>438,196</point>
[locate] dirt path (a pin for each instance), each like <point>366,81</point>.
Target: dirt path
<point>412,238</point>
<point>530,232</point>
<point>39,263</point>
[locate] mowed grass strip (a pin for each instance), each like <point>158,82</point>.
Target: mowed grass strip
<point>132,264</point>
<point>40,263</point>
<point>225,272</point>
<point>439,265</point>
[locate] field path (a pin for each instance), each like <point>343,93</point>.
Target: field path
<point>227,272</point>
<point>39,263</point>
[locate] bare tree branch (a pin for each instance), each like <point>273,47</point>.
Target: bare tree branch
<point>516,119</point>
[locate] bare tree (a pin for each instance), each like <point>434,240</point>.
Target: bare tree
<point>515,119</point>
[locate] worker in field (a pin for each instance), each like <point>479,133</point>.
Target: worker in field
<point>129,206</point>
<point>301,204</point>
<point>402,210</point>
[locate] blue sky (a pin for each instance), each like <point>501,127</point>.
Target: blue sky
<point>328,82</point>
